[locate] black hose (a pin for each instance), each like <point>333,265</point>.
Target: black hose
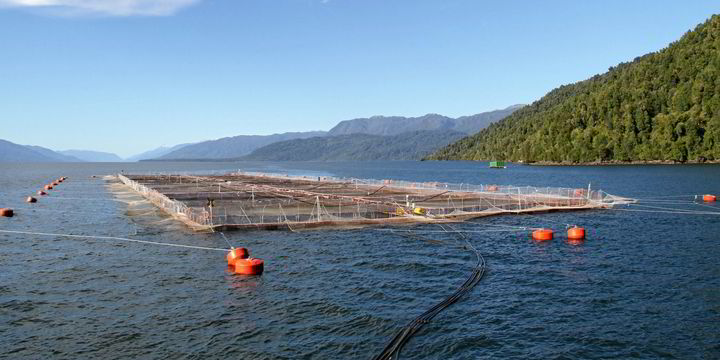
<point>393,348</point>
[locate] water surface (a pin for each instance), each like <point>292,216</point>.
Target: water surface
<point>644,284</point>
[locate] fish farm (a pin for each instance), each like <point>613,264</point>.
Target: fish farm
<point>245,200</point>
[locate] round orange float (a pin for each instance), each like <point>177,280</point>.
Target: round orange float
<point>48,187</point>
<point>6,212</point>
<point>249,266</point>
<point>31,199</point>
<point>542,234</point>
<point>40,192</point>
<point>235,254</point>
<point>709,198</point>
<point>576,233</point>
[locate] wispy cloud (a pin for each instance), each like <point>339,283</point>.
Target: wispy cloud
<point>102,7</point>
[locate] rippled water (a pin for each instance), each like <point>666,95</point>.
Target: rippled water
<point>644,284</point>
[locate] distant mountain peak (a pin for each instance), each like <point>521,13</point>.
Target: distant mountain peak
<point>393,125</point>
<point>232,147</point>
<point>11,152</point>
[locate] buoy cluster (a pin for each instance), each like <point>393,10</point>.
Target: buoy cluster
<point>7,212</point>
<point>239,259</point>
<point>48,187</point>
<point>51,185</point>
<point>575,235</point>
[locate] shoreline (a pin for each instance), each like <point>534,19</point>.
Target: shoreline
<point>621,163</point>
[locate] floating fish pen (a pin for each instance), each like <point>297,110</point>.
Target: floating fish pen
<point>270,201</point>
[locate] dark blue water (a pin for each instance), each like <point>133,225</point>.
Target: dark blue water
<point>644,285</point>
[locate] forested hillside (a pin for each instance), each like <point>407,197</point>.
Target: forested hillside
<point>661,106</point>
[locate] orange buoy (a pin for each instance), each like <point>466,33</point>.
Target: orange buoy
<point>542,234</point>
<point>6,212</point>
<point>31,199</point>
<point>238,253</point>
<point>41,193</point>
<point>249,266</point>
<point>492,188</point>
<point>709,198</point>
<point>576,233</point>
<point>48,187</point>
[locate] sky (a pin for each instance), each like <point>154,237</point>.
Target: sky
<point>126,76</point>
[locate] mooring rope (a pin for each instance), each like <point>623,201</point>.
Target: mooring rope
<point>378,189</point>
<point>689,200</point>
<point>673,209</point>
<point>50,197</point>
<point>670,212</point>
<point>56,211</point>
<point>225,238</point>
<point>666,197</point>
<point>519,227</point>
<point>111,238</point>
<point>431,197</point>
<point>706,205</point>
<point>464,231</point>
<point>393,348</point>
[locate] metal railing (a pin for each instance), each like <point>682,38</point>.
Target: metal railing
<point>447,200</point>
<point>198,216</point>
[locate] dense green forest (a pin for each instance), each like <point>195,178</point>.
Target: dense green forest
<point>661,106</point>
<point>406,146</point>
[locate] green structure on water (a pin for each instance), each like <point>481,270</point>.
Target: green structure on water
<point>498,164</point>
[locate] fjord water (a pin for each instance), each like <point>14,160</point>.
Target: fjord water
<point>644,284</point>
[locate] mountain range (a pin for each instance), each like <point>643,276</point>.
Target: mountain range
<point>393,125</point>
<point>11,152</point>
<point>347,139</point>
<point>411,145</point>
<point>231,147</point>
<point>155,153</point>
<point>373,138</point>
<point>92,156</point>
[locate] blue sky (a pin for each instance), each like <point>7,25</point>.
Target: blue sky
<point>126,76</point>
